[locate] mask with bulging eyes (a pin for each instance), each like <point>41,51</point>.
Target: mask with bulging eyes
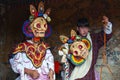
<point>79,49</point>
<point>39,27</point>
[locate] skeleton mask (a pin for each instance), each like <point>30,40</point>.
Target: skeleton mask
<point>79,49</point>
<point>39,26</point>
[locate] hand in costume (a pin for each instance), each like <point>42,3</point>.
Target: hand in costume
<point>107,25</point>
<point>50,74</point>
<point>33,73</point>
<point>105,21</point>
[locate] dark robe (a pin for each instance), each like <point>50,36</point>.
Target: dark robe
<point>97,43</point>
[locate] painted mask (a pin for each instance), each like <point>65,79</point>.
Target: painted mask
<point>78,48</point>
<point>39,27</point>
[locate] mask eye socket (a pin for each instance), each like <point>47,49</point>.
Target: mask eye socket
<point>80,46</point>
<point>73,46</point>
<point>37,25</point>
<point>45,25</point>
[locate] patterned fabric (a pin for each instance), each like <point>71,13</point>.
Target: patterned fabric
<point>21,61</point>
<point>35,54</point>
<point>98,42</point>
<point>66,69</point>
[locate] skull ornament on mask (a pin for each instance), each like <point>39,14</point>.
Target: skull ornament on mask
<point>79,49</point>
<point>39,27</point>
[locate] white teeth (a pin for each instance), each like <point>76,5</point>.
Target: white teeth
<point>41,32</point>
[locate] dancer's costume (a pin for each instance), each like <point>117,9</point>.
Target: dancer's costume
<point>31,54</point>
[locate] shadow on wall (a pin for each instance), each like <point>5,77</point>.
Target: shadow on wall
<point>6,73</point>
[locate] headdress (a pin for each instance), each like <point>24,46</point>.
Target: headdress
<point>78,47</point>
<point>35,14</point>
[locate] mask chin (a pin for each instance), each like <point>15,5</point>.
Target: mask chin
<point>39,35</point>
<point>43,35</point>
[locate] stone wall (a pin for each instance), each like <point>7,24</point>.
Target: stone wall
<point>113,58</point>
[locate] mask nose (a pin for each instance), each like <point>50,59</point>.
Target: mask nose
<point>76,52</point>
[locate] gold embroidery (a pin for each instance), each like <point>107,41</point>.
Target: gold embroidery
<point>36,53</point>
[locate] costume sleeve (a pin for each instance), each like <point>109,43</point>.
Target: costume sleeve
<point>49,59</point>
<point>17,66</point>
<point>108,28</point>
<point>100,36</point>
